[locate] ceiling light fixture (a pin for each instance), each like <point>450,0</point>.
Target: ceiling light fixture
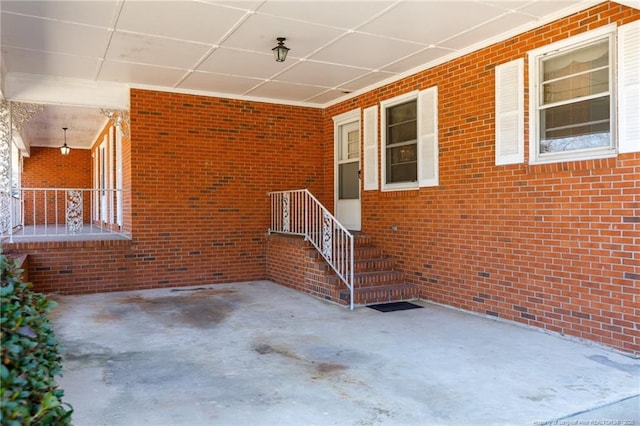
<point>280,51</point>
<point>64,149</point>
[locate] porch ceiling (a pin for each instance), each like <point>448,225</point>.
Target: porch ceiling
<point>338,48</point>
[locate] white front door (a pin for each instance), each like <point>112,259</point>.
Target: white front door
<point>348,175</point>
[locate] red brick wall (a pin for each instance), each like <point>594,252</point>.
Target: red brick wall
<point>47,168</point>
<point>201,168</point>
<point>77,267</point>
<point>553,246</point>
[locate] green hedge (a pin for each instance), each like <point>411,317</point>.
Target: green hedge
<point>30,356</point>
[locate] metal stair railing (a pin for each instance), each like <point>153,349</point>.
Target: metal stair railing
<point>298,212</point>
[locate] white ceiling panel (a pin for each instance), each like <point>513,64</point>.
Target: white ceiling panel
<point>328,96</point>
<point>366,51</point>
<point>259,33</point>
<point>366,80</point>
<point>425,56</point>
<point>241,62</point>
<point>219,83</point>
<point>428,22</point>
<point>126,72</point>
<point>53,36</point>
<point>53,64</point>
<point>193,21</point>
<point>238,4</point>
<point>138,48</point>
<point>97,13</point>
<point>544,7</point>
<point>278,90</point>
<point>485,31</point>
<point>342,14</point>
<point>320,74</point>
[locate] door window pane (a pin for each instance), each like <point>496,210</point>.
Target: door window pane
<point>348,181</point>
<point>353,144</point>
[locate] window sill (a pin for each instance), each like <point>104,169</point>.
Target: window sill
<point>405,186</point>
<point>573,165</point>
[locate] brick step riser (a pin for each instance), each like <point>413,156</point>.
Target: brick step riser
<point>360,241</point>
<point>373,279</point>
<point>369,296</point>
<point>373,265</point>
<point>360,266</point>
<point>367,252</point>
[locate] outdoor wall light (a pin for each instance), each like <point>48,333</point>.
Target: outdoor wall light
<point>280,51</point>
<point>64,149</point>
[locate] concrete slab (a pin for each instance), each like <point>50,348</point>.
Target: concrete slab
<point>262,354</point>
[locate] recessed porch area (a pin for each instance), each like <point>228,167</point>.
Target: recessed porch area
<point>262,354</point>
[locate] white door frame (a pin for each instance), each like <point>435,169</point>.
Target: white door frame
<point>350,117</point>
<point>103,178</point>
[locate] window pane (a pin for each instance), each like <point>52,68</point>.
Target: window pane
<point>402,133</point>
<point>402,164</point>
<point>349,184</point>
<point>401,113</point>
<point>591,83</point>
<point>580,125</point>
<point>401,148</point>
<point>577,61</point>
<point>353,144</point>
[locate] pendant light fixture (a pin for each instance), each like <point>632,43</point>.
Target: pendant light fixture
<point>64,149</point>
<point>280,51</point>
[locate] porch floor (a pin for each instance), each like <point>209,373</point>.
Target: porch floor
<point>261,354</point>
<point>42,233</point>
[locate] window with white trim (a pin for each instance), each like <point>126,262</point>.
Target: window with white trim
<point>572,99</point>
<point>409,136</point>
<point>402,143</point>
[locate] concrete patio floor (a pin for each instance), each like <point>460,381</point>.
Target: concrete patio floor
<point>261,354</point>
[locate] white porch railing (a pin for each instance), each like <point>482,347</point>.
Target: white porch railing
<point>298,212</point>
<point>62,212</point>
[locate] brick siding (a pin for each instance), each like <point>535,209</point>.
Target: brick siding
<point>79,267</point>
<point>201,171</point>
<point>553,246</point>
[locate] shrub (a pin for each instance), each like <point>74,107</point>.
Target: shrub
<point>30,356</point>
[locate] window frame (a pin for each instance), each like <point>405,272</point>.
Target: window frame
<point>384,106</point>
<point>564,46</point>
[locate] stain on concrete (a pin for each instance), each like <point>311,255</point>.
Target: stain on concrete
<point>328,368</point>
<point>87,353</point>
<point>543,394</point>
<point>319,368</point>
<point>265,348</point>
<point>203,308</point>
<point>627,368</point>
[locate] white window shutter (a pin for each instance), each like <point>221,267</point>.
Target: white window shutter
<point>629,87</point>
<point>428,137</point>
<point>371,148</point>
<point>510,112</point>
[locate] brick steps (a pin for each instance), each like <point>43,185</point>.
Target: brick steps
<point>360,265</point>
<point>375,280</point>
<point>369,279</point>
<point>381,294</point>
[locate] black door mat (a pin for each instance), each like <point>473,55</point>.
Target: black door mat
<point>394,306</point>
